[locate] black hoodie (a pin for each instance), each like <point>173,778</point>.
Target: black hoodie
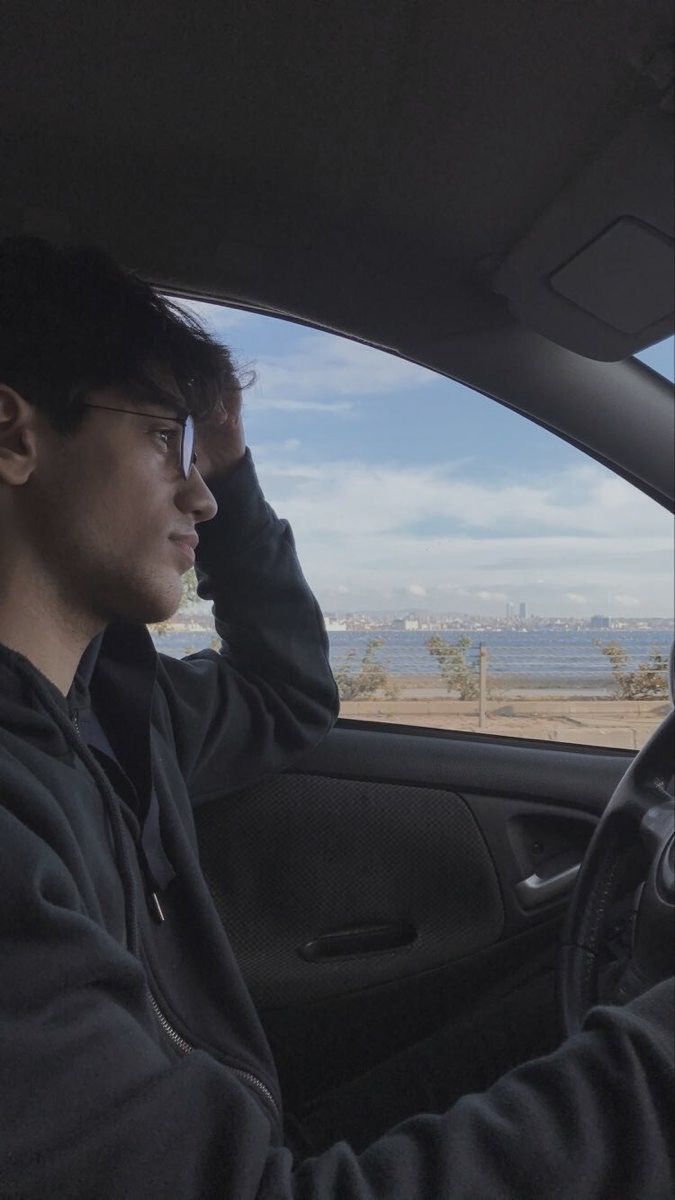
<point>132,1061</point>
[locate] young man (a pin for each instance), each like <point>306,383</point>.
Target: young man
<point>132,1062</point>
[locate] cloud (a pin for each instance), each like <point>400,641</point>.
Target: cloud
<point>255,400</point>
<point>468,545</point>
<point>416,589</point>
<point>281,448</point>
<point>626,601</point>
<point>319,370</point>
<point>382,498</point>
<point>327,365</point>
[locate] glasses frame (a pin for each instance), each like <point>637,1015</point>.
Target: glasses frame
<point>188,456</point>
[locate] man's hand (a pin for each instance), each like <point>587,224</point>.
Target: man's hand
<point>220,441</point>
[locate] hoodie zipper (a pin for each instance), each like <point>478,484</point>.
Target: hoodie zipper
<point>186,1048</point>
<point>175,1038</point>
<point>154,905</point>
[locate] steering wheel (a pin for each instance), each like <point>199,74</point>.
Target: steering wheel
<point>637,827</point>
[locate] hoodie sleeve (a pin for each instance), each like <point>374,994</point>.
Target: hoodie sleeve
<point>268,695</point>
<point>93,1104</point>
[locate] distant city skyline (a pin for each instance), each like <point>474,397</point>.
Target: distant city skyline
<point>595,619</point>
<point>202,608</point>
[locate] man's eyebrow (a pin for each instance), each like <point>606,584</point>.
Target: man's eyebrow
<point>167,401</point>
<point>169,408</point>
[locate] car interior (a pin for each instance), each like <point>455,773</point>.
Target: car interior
<point>482,188</point>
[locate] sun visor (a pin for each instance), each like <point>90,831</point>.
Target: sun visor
<point>596,272</point>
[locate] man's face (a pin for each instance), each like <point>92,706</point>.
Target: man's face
<point>105,508</point>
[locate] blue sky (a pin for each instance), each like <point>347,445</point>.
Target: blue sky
<point>408,491</point>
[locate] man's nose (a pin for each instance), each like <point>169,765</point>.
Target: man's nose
<point>196,498</point>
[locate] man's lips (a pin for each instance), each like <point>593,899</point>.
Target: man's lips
<point>187,544</point>
<point>186,539</point>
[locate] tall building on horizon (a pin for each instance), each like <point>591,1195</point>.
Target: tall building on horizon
<point>600,622</point>
<point>522,610</point>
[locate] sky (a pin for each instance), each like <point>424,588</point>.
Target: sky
<point>409,492</point>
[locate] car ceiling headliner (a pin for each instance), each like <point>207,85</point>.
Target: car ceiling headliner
<point>365,167</point>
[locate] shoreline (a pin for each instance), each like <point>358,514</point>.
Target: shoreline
<point>594,721</point>
<point>501,688</point>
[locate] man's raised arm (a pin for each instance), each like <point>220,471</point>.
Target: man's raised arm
<point>269,694</point>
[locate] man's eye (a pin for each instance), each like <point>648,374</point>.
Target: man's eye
<point>167,435</point>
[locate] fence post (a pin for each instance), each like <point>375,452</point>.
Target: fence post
<point>482,684</point>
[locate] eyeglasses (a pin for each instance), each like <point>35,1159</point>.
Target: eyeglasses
<point>188,457</point>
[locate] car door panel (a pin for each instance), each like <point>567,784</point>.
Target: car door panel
<point>348,857</point>
<point>394,881</point>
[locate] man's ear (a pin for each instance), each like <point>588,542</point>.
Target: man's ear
<point>18,437</point>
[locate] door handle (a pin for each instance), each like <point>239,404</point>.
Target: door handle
<point>536,890</point>
<point>345,943</point>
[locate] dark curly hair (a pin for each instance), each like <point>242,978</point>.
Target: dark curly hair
<point>72,320</point>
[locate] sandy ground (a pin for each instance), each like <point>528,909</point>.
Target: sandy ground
<point>590,721</point>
